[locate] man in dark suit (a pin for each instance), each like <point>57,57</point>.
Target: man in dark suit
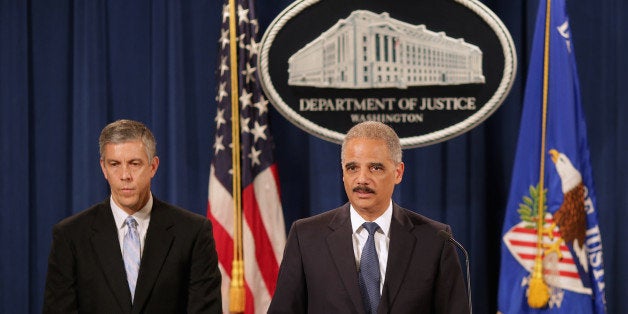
<point>370,255</point>
<point>132,253</point>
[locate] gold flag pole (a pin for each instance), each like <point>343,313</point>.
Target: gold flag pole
<point>236,290</point>
<point>538,295</point>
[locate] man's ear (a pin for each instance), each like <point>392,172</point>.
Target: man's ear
<point>399,172</point>
<point>102,167</point>
<point>154,164</point>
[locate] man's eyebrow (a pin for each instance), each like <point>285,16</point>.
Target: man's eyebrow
<point>350,164</point>
<point>117,160</point>
<point>376,164</point>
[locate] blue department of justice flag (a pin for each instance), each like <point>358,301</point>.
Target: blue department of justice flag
<point>551,257</point>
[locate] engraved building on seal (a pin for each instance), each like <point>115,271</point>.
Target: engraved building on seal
<point>369,50</point>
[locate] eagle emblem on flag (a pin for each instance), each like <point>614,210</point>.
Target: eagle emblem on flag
<point>565,260</point>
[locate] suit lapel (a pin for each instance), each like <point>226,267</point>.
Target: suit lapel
<point>341,248</point>
<point>157,245</point>
<point>402,243</point>
<point>106,246</point>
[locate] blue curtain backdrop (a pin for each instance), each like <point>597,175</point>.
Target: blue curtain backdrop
<point>67,68</point>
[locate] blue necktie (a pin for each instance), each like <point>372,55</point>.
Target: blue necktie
<point>131,253</point>
<point>369,271</point>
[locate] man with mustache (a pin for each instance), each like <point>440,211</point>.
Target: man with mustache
<point>369,255</point>
<point>132,253</point>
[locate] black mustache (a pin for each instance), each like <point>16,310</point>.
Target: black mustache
<point>364,189</point>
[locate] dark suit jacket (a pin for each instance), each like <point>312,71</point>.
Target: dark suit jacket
<point>178,271</point>
<point>318,273</point>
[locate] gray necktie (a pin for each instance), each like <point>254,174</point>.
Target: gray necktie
<point>369,271</point>
<point>131,253</point>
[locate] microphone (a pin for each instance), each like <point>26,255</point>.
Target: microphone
<point>447,236</point>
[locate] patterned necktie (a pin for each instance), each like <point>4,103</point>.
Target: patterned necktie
<point>131,253</point>
<point>369,271</point>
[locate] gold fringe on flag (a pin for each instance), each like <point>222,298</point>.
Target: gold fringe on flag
<point>538,293</point>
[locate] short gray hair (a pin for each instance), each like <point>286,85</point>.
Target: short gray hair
<point>122,131</point>
<point>376,131</point>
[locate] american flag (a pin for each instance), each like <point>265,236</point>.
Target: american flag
<point>263,226</point>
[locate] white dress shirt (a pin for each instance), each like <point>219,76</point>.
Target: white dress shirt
<point>382,239</point>
<point>142,217</point>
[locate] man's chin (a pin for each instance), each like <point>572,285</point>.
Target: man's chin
<point>127,203</point>
<point>362,204</point>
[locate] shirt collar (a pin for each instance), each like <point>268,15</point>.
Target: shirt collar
<point>382,221</point>
<point>142,216</point>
